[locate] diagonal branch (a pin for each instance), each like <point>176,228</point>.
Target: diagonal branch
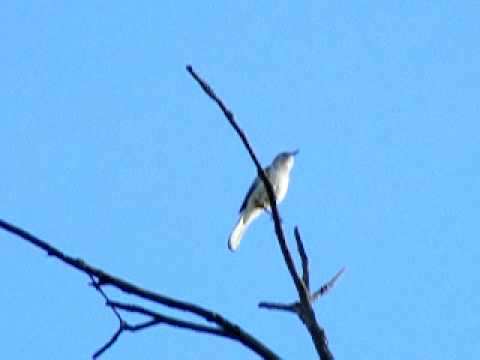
<point>109,343</point>
<point>327,286</point>
<point>303,257</point>
<point>306,314</point>
<point>104,278</point>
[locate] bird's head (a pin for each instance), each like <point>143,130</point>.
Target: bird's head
<point>285,159</point>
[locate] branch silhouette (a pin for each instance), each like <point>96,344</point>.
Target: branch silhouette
<point>216,324</point>
<point>100,278</point>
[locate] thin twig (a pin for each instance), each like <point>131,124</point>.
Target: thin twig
<point>160,318</point>
<point>121,322</point>
<point>98,287</point>
<point>303,258</point>
<point>109,343</point>
<point>143,325</point>
<point>278,306</point>
<point>327,286</point>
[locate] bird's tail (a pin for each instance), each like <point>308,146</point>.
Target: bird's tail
<point>246,217</point>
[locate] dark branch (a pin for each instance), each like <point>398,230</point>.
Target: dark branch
<point>278,306</point>
<point>303,258</point>
<point>306,313</point>
<point>121,322</point>
<point>143,325</point>
<point>109,343</point>
<point>103,278</point>
<point>163,319</point>
<point>98,287</point>
<point>327,286</point>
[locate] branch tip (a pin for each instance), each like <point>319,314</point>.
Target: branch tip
<point>303,258</point>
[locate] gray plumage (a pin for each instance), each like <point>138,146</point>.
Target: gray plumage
<point>256,199</point>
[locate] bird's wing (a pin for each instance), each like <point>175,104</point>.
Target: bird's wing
<point>250,191</point>
<point>255,183</point>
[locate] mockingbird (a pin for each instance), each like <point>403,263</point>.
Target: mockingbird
<point>256,200</point>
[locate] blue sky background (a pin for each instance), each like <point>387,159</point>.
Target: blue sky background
<point>113,154</point>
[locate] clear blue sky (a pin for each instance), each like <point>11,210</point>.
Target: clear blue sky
<point>112,153</point>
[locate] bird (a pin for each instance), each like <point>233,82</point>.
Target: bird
<point>256,200</point>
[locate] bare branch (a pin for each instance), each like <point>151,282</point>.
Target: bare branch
<point>327,286</point>
<point>306,313</point>
<point>278,306</point>
<point>143,325</point>
<point>303,257</point>
<point>104,278</point>
<point>98,287</point>
<point>109,343</point>
<point>163,319</point>
<point>121,322</point>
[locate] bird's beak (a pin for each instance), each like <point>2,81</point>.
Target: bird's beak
<point>295,152</point>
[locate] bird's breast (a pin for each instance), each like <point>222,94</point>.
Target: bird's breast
<point>281,188</point>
